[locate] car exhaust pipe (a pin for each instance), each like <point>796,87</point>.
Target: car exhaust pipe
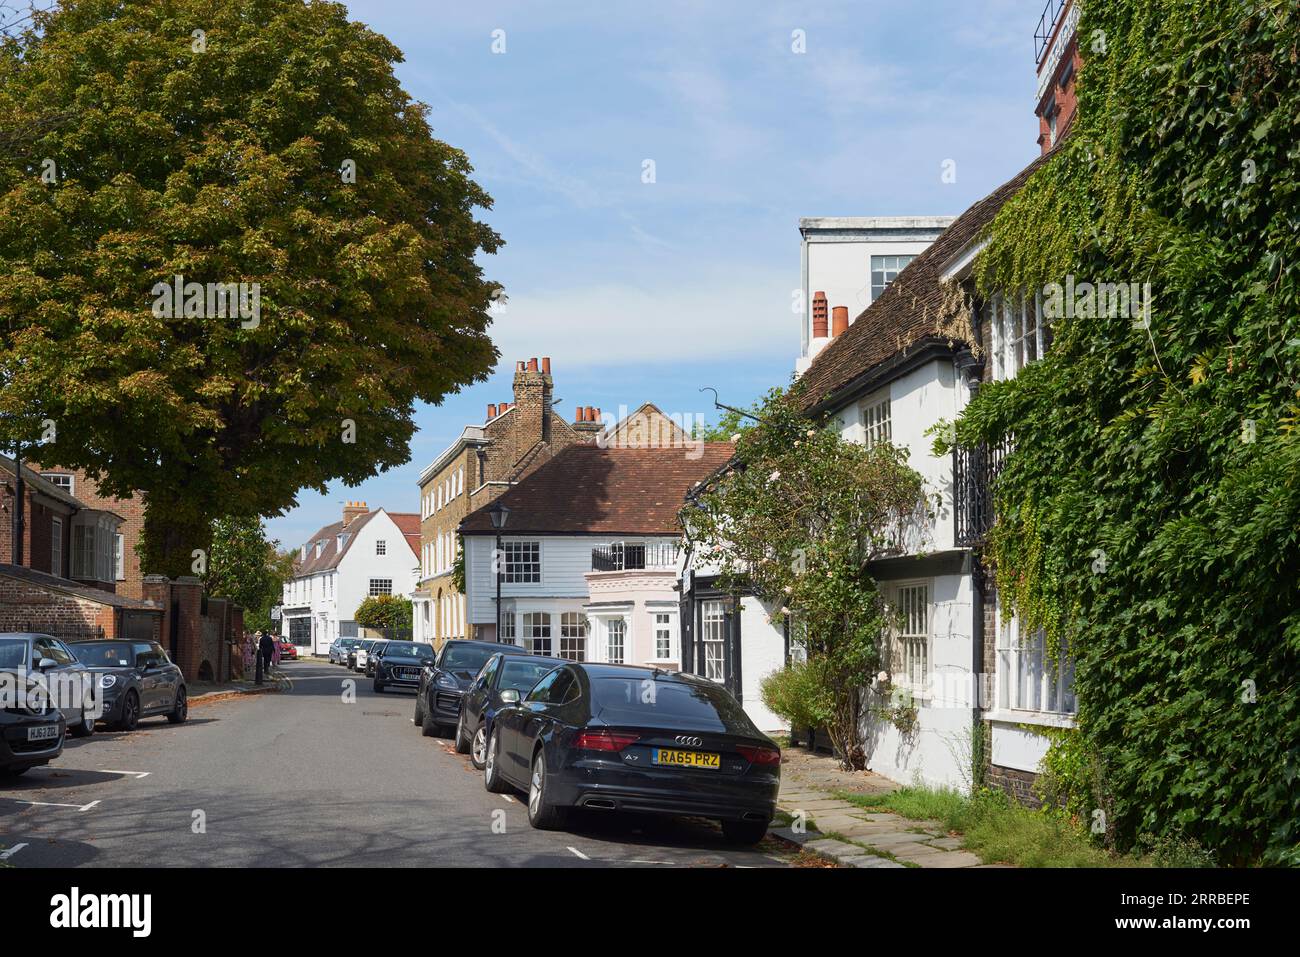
<point>600,804</point>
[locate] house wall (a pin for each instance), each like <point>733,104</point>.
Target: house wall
<point>360,564</point>
<point>763,652</point>
<point>131,510</point>
<point>644,594</point>
<point>439,607</point>
<point>25,606</point>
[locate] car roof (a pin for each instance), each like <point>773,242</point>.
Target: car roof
<point>544,659</point>
<point>602,670</point>
<point>26,634</point>
<point>473,642</point>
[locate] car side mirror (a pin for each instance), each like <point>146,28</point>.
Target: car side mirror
<point>45,664</point>
<point>510,696</point>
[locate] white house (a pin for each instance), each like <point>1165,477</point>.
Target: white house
<point>367,553</point>
<point>586,561</point>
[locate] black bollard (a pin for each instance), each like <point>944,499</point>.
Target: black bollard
<point>257,672</point>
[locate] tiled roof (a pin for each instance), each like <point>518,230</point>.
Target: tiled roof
<point>915,307</point>
<point>42,485</point>
<point>111,599</point>
<point>409,524</point>
<point>589,490</point>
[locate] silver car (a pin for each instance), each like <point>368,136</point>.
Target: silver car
<point>340,648</point>
<point>34,654</point>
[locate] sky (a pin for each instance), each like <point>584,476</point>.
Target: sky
<point>650,291</point>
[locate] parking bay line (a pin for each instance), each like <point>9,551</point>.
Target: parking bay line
<point>135,774</point>
<point>579,853</point>
<point>5,855</point>
<point>79,807</point>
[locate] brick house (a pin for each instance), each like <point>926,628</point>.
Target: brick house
<point>514,440</point>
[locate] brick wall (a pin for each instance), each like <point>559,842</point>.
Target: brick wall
<point>25,606</point>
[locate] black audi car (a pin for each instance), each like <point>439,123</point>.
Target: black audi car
<point>620,738</point>
<point>504,679</point>
<point>444,682</point>
<point>398,665</point>
<point>136,680</point>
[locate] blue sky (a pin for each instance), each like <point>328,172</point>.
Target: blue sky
<point>650,291</point>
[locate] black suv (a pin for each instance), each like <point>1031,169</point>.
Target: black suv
<point>399,664</point>
<point>444,681</point>
<point>136,680</point>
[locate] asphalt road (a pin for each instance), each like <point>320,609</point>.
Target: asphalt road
<point>304,779</point>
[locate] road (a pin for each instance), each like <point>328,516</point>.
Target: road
<point>302,778</point>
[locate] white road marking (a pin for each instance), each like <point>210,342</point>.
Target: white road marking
<point>5,855</point>
<point>579,853</point>
<point>79,807</point>
<point>507,797</point>
<point>135,774</point>
<point>665,863</point>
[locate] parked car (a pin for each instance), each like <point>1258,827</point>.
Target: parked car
<point>621,738</point>
<point>32,731</point>
<point>136,679</point>
<point>443,683</point>
<point>340,648</point>
<point>288,650</point>
<point>398,665</point>
<point>505,671</point>
<point>39,654</point>
<point>372,656</point>
<point>357,654</point>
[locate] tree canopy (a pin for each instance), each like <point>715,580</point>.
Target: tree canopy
<point>384,611</point>
<point>247,568</point>
<point>257,142</point>
<point>1149,513</point>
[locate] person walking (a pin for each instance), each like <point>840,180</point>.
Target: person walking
<point>267,649</point>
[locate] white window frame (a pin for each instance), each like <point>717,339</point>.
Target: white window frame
<point>1020,333</point>
<point>1027,680</point>
<point>612,625</point>
<point>536,628</point>
<point>891,264</point>
<point>664,623</point>
<point>62,480</point>
<point>56,546</point>
<point>573,636</point>
<point>877,420</point>
<point>119,556</point>
<point>713,639</point>
<point>381,546</point>
<point>376,586</point>
<point>509,629</point>
<point>521,562</point>
<point>913,633</point>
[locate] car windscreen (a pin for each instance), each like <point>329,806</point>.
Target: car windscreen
<point>409,649</point>
<point>668,703</point>
<point>465,658</point>
<point>103,654</point>
<point>13,653</point>
<point>522,674</point>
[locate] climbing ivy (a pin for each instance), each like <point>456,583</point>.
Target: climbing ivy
<point>1149,513</point>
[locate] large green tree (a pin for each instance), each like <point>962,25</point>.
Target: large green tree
<point>247,568</point>
<point>1149,513</point>
<point>228,141</point>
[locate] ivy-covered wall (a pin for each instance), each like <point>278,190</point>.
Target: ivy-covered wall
<point>1149,517</point>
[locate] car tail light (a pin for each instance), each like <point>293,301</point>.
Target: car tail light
<point>757,755</point>
<point>603,740</point>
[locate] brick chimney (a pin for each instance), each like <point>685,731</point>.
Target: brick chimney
<point>586,420</point>
<point>353,510</point>
<point>533,393</point>
<point>839,320</point>
<point>819,330</point>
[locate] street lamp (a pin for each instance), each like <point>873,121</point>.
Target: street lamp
<point>499,513</point>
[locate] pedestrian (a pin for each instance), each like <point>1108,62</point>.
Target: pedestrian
<point>267,648</point>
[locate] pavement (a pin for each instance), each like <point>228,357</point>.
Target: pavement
<point>302,778</point>
<point>853,836</point>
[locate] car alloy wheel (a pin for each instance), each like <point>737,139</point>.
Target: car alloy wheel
<point>130,711</point>
<point>478,750</point>
<point>181,709</point>
<point>542,813</point>
<point>491,770</point>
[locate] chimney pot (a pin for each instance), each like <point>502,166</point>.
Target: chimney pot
<point>580,414</point>
<point>532,364</point>
<point>492,411</point>
<point>519,366</point>
<point>819,315</point>
<point>839,320</point>
<point>546,364</point>
<point>596,418</point>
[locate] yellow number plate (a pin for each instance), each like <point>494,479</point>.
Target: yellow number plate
<point>688,759</point>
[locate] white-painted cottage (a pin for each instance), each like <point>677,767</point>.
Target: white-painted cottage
<point>367,553</point>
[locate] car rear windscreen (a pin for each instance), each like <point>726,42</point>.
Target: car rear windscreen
<point>668,703</point>
<point>103,654</point>
<point>409,649</point>
<point>522,675</point>
<point>469,658</point>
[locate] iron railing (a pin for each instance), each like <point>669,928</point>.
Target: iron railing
<point>974,470</point>
<point>1046,26</point>
<point>623,557</point>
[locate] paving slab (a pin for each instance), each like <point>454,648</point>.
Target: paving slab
<point>870,860</point>
<point>947,843</point>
